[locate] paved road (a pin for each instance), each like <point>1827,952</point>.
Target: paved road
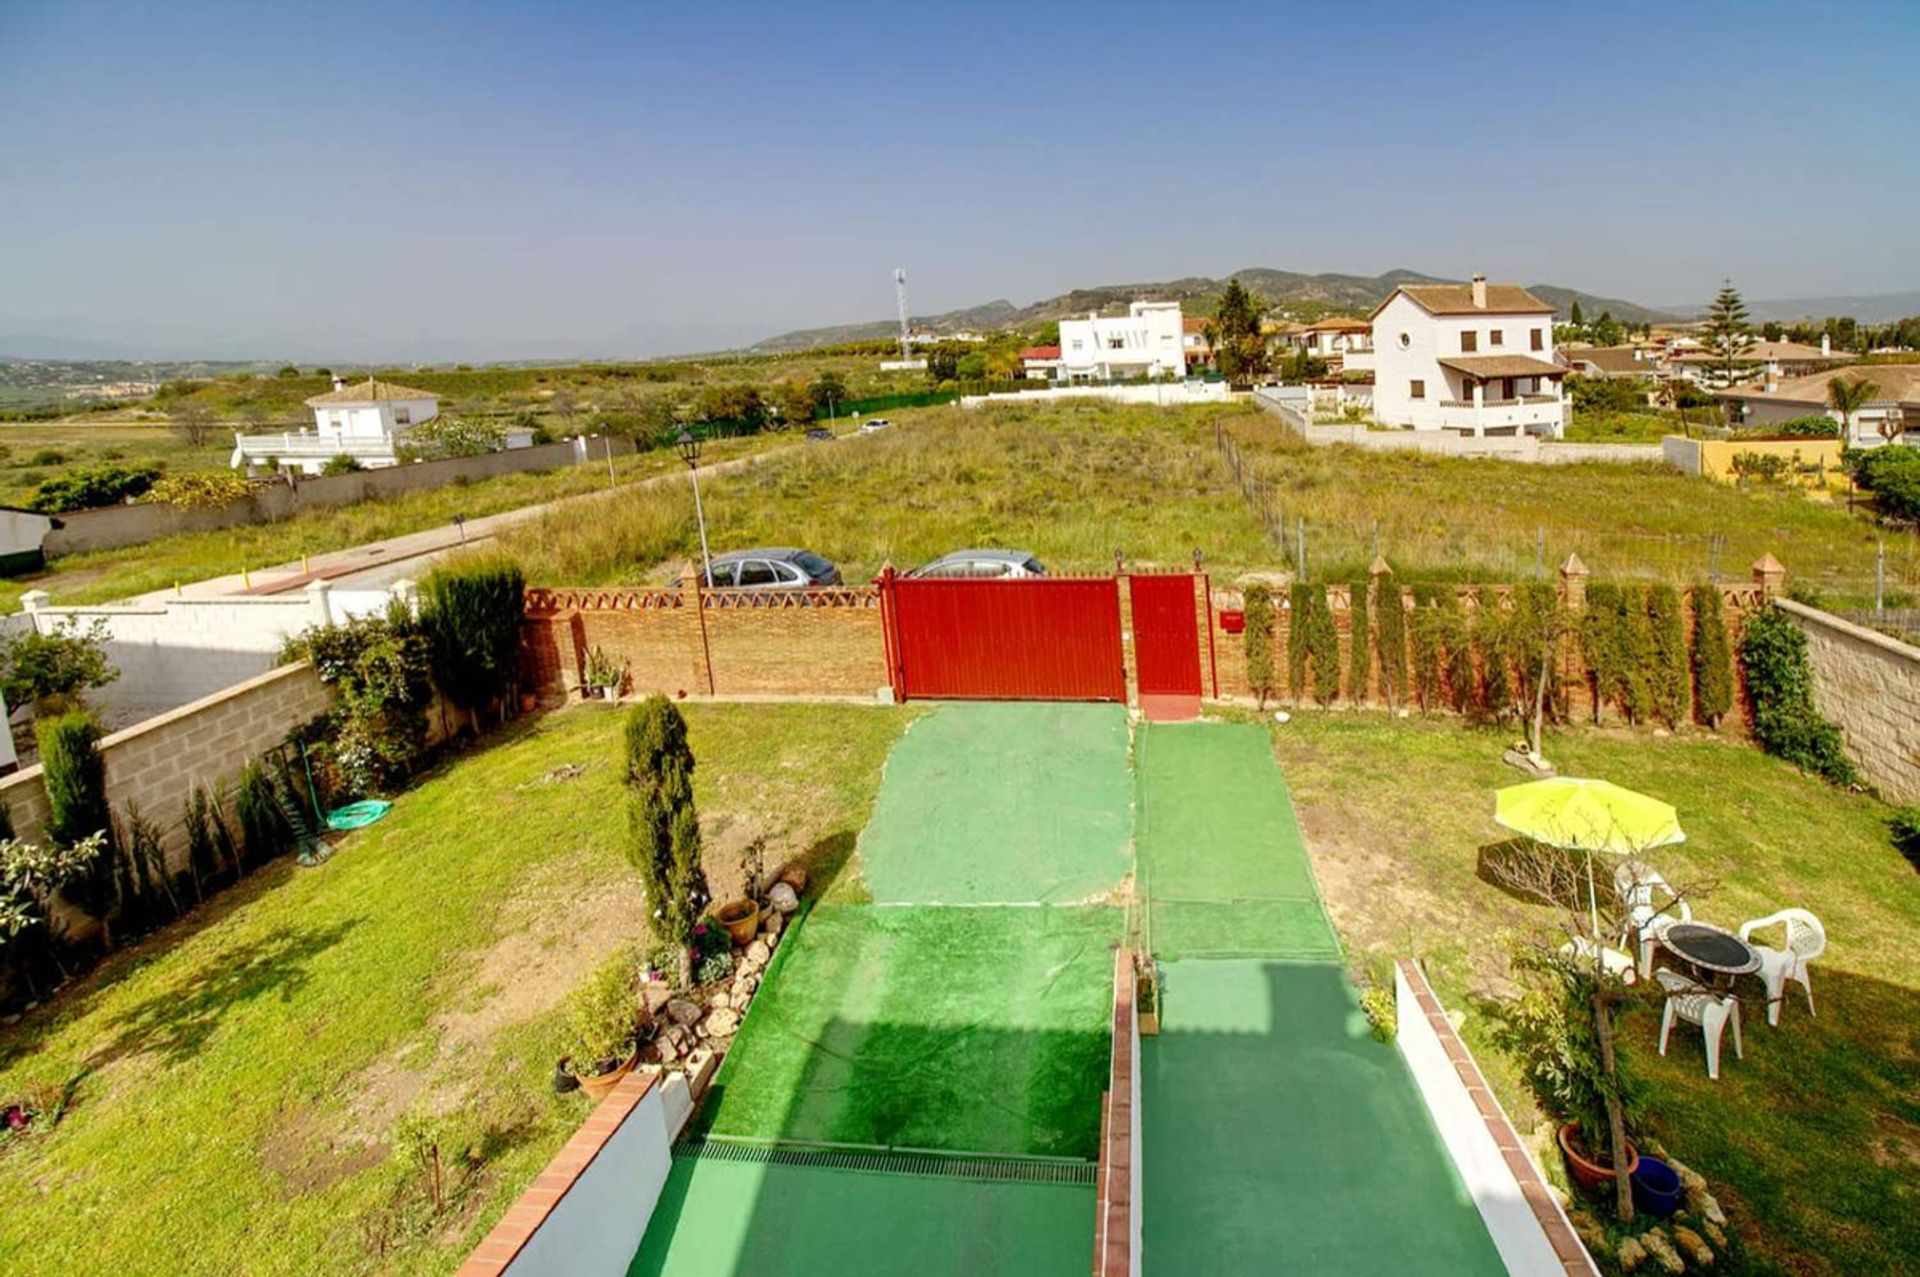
<point>378,564</point>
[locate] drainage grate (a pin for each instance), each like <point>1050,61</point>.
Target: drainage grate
<point>975,1166</point>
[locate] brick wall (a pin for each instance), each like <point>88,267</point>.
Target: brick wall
<point>1869,684</point>
<point>1230,652</point>
<point>155,763</point>
<point>697,642</point>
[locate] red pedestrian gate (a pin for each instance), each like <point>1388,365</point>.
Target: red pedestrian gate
<point>1166,644</point>
<point>1047,640</point>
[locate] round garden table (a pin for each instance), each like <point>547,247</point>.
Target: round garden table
<point>1711,949</point>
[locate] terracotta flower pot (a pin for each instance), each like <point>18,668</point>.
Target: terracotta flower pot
<point>741,918</point>
<point>600,1085</point>
<point>1588,1174</point>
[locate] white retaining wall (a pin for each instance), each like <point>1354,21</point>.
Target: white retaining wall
<point>1167,394</point>
<point>1528,449</point>
<point>173,653</point>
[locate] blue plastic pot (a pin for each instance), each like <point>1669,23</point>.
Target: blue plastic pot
<point>1656,1187</point>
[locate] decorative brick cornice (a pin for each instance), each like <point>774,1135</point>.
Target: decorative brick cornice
<point>524,1218</point>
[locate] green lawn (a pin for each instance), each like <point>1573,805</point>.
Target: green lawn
<point>106,575</point>
<point>237,1077</point>
<point>1072,483</point>
<point>1475,519</point>
<point>1810,1140</point>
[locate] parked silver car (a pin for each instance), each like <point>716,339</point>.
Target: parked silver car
<point>771,568</point>
<point>980,565</point>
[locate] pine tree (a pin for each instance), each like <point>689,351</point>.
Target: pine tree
<point>1712,658</point>
<point>1240,345</point>
<point>663,824</point>
<point>1728,331</point>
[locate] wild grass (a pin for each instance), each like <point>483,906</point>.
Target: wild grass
<point>238,1075</point>
<point>1072,484</point>
<point>106,575</point>
<point>87,445</point>
<point>1810,1141</point>
<point>1473,519</point>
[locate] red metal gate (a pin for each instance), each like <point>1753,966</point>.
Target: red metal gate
<point>1166,635</point>
<point>1047,640</point>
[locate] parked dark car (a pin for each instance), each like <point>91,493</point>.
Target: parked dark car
<point>771,568</point>
<point>983,565</point>
<point>819,434</point>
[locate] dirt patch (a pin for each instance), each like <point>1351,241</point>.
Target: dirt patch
<point>310,1155</point>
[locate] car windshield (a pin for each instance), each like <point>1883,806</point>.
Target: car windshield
<point>812,563</point>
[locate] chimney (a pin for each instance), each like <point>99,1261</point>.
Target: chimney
<point>1479,291</point>
<point>339,383</point>
<point>1826,345</point>
<point>1773,380</point>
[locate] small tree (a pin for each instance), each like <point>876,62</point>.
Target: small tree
<point>77,810</point>
<point>1712,657</point>
<point>1240,345</point>
<point>1667,681</point>
<point>52,671</point>
<point>1427,644</point>
<point>1390,637</point>
<point>192,420</point>
<point>664,827</point>
<point>1313,645</point>
<point>1491,643</point>
<point>1534,631</point>
<point>1848,397</point>
<point>1257,640</point>
<point>1359,644</point>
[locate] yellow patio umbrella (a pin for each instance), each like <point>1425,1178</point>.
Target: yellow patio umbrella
<point>1587,816</point>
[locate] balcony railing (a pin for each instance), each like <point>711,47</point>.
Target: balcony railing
<point>305,445</point>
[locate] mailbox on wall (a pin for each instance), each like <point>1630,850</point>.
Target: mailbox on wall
<point>1233,622</point>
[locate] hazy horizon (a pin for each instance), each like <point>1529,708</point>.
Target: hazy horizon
<point>478,182</point>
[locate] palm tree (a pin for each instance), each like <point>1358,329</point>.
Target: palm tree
<point>1848,397</point>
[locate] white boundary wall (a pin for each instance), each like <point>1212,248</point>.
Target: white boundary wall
<point>1166,394</point>
<point>175,652</point>
<point>1529,449</point>
<point>1510,1220</point>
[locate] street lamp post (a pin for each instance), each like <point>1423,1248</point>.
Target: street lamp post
<point>689,448</point>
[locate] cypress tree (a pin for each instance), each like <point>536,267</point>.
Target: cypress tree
<point>664,825</point>
<point>1490,640</point>
<point>1390,637</point>
<point>1667,670</point>
<point>1600,645</point>
<point>1636,655</point>
<point>1257,640</point>
<point>1712,658</point>
<point>1360,644</point>
<point>471,613</point>
<point>76,785</point>
<point>1426,645</point>
<point>1313,645</point>
<point>1456,649</point>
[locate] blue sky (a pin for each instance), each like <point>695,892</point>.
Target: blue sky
<point>495,181</point>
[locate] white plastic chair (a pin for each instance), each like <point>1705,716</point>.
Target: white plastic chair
<point>1697,1005</point>
<point>1646,921</point>
<point>1612,961</point>
<point>1806,940</point>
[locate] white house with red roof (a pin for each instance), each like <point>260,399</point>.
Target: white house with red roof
<point>1042,362</point>
<point>1476,358</point>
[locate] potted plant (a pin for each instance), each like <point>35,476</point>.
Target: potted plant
<point>604,676</point>
<point>605,1038</point>
<point>741,917</point>
<point>1147,1000</point>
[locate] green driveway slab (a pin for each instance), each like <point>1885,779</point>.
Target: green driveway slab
<point>1280,1137</point>
<point>718,1218</point>
<point>979,1030</point>
<point>1003,804</point>
<point>1222,863</point>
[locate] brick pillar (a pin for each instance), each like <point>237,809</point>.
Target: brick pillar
<point>1573,583</point>
<point>1129,668</point>
<point>1770,576</point>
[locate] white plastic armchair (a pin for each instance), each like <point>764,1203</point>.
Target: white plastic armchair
<point>1806,940</point>
<point>1615,963</point>
<point>1638,885</point>
<point>1698,1005</point>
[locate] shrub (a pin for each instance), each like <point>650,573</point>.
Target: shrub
<point>1667,672</point>
<point>1904,826</point>
<point>1359,644</point>
<point>1712,657</point>
<point>1550,1032</point>
<point>380,668</point>
<point>471,612</point>
<point>664,826</point>
<point>1892,474</point>
<point>342,464</point>
<point>1382,1013</point>
<point>1773,654</point>
<point>452,437</point>
<point>1257,640</point>
<point>1313,645</point>
<point>265,831</point>
<point>1816,426</point>
<point>43,669</point>
<point>1390,637</point>
<point>47,457</point>
<point>77,811</point>
<point>201,490</point>
<point>1616,642</point>
<point>601,1016</point>
<point>85,487</point>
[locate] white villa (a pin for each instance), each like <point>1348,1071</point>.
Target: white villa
<point>1346,344</point>
<point>1475,358</point>
<point>365,421</point>
<point>1145,342</point>
<point>1892,408</point>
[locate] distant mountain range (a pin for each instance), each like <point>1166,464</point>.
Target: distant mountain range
<point>1324,293</point>
<point>1875,308</point>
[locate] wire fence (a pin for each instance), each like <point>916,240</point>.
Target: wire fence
<point>1320,534</point>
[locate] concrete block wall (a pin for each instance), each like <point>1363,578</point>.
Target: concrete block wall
<point>695,643</point>
<point>1868,684</point>
<point>155,764</point>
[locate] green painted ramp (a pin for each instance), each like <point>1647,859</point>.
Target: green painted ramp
<point>1222,864</point>
<point>720,1218</point>
<point>1003,804</point>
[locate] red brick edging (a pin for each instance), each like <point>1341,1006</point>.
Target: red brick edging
<point>1553,1222</point>
<point>517,1227</point>
<point>1113,1216</point>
